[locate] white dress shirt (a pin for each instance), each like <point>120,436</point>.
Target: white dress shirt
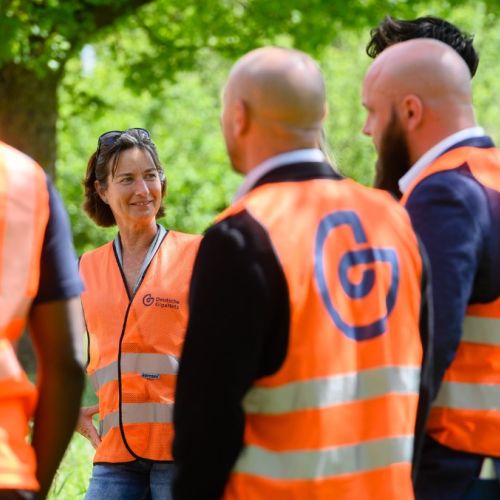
<point>297,156</point>
<point>437,150</point>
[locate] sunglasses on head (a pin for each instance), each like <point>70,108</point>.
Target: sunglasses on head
<point>109,138</point>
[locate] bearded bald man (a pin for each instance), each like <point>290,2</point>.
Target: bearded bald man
<point>300,374</point>
<point>421,119</point>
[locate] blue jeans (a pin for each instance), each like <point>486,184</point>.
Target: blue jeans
<point>137,480</point>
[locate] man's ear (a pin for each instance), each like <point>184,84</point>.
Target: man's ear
<point>100,191</point>
<point>241,117</point>
<point>411,112</point>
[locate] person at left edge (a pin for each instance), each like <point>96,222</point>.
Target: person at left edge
<point>39,288</point>
<point>135,308</point>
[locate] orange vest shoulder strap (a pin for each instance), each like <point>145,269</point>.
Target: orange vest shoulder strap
<point>488,158</point>
<point>233,209</point>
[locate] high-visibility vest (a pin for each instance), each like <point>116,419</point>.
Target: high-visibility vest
<point>337,419</point>
<point>134,347</point>
<point>466,412</point>
<point>24,212</point>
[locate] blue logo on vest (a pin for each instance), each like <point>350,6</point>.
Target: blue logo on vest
<point>352,258</point>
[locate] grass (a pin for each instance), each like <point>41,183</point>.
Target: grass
<point>72,478</point>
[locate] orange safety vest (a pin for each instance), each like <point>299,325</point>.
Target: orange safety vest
<point>134,347</point>
<point>466,413</point>
<point>337,419</point>
<point>24,212</point>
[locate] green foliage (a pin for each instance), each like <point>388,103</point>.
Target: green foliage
<point>172,33</point>
<point>344,64</point>
<point>151,41</point>
<point>183,117</point>
<point>40,34</point>
<point>43,34</point>
<point>72,478</point>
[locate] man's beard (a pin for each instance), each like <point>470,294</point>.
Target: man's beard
<point>393,159</point>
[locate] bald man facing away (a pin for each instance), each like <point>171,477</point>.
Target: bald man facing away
<point>300,373</point>
<point>420,117</point>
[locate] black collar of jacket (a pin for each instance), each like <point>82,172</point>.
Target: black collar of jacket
<point>296,172</point>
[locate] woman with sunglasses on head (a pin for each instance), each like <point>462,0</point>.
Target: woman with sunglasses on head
<point>135,306</point>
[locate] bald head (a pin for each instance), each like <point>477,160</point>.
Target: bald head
<point>425,67</point>
<point>420,88</point>
<point>280,87</point>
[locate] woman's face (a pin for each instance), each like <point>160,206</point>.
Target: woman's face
<point>134,192</point>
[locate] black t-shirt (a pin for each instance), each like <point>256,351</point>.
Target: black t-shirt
<point>59,277</point>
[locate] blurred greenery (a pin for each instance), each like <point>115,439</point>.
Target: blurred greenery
<point>150,41</point>
<point>42,34</point>
<point>182,114</point>
<point>72,478</point>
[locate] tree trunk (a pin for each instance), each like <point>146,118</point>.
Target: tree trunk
<point>28,113</point>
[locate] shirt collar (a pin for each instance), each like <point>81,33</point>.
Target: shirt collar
<point>437,150</point>
<point>296,156</point>
<point>155,244</point>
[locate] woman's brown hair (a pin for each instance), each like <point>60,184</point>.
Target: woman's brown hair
<point>104,161</point>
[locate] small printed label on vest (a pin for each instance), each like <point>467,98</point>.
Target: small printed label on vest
<point>151,376</point>
<point>162,302</point>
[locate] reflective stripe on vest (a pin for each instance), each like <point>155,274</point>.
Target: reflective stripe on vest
<point>146,336</point>
<point>466,412</point>
<point>478,330</point>
<point>137,413</point>
<point>473,396</point>
<point>338,416</point>
<point>24,212</point>
<point>334,390</point>
<point>464,396</point>
<point>132,362</point>
<point>325,463</point>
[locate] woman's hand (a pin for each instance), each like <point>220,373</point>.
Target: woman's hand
<point>86,427</point>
